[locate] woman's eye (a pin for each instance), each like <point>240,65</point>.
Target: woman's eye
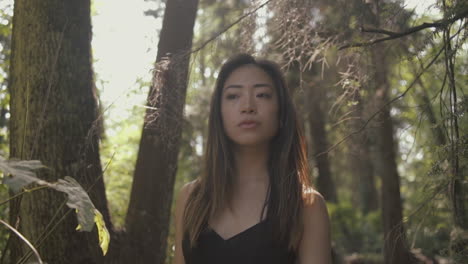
<point>231,96</point>
<point>264,95</point>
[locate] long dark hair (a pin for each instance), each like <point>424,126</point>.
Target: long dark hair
<point>287,164</point>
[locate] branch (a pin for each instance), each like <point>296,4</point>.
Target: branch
<point>229,27</point>
<point>380,31</point>
<point>395,35</point>
<point>384,106</point>
<point>25,240</point>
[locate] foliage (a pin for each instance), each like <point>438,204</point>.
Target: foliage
<point>423,161</point>
<point>79,200</point>
<point>352,231</point>
<point>103,233</point>
<point>118,154</point>
<point>19,174</point>
<point>6,13</point>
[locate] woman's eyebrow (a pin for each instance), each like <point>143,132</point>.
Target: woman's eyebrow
<point>258,85</point>
<point>233,86</point>
<point>262,85</point>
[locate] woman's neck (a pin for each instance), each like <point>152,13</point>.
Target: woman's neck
<point>251,165</point>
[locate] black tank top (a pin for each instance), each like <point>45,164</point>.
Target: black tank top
<point>254,245</point>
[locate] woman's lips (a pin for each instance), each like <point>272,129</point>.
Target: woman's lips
<point>248,124</point>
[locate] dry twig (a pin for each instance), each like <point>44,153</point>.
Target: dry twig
<point>394,35</point>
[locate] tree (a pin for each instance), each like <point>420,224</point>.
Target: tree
<point>453,12</point>
<point>54,118</point>
<point>395,247</point>
<point>147,221</point>
<point>316,116</point>
<point>359,157</point>
<point>310,32</point>
<point>293,39</point>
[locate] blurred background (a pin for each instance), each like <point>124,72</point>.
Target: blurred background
<point>381,92</point>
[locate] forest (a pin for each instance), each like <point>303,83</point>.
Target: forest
<point>381,89</point>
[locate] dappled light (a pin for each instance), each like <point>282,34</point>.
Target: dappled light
<point>110,119</point>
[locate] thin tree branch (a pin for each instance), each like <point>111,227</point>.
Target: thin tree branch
<point>228,27</point>
<point>394,35</point>
<point>385,105</point>
<point>25,240</point>
<point>21,193</point>
<point>42,239</point>
<point>380,31</point>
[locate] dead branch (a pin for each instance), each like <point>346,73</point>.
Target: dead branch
<point>394,35</point>
<point>229,27</point>
<point>385,105</point>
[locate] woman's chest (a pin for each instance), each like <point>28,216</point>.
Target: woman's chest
<point>253,245</point>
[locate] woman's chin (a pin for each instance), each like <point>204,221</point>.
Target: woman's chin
<point>250,143</point>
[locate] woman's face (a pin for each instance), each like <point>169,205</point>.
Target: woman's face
<point>249,106</point>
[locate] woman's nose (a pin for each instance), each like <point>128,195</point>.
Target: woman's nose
<point>248,105</point>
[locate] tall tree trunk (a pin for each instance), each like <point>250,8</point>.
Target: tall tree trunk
<point>325,183</point>
<point>147,221</point>
<point>53,119</point>
<point>395,247</point>
<point>360,160</point>
<point>395,244</point>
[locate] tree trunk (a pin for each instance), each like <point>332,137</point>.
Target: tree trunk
<point>53,119</point>
<point>325,184</point>
<point>395,247</point>
<point>360,161</point>
<point>147,221</point>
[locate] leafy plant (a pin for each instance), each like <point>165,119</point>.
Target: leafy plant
<point>20,173</point>
<point>353,231</point>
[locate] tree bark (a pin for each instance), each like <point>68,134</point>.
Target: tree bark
<point>395,244</point>
<point>147,221</point>
<point>324,182</point>
<point>360,160</point>
<point>53,119</point>
<point>395,247</point>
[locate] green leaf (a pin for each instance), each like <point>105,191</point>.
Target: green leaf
<point>86,213</point>
<point>19,173</point>
<point>79,200</point>
<point>104,237</point>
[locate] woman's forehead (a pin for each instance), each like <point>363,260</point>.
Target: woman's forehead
<point>248,74</point>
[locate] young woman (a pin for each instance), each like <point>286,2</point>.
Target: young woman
<point>253,203</point>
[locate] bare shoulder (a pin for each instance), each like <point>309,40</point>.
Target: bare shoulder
<point>314,202</point>
<point>182,197</point>
<point>185,192</point>
<point>315,210</point>
<point>188,188</point>
<point>315,243</point>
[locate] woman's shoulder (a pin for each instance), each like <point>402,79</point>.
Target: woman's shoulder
<point>182,198</point>
<point>181,201</point>
<point>186,190</point>
<point>315,243</point>
<point>314,203</point>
